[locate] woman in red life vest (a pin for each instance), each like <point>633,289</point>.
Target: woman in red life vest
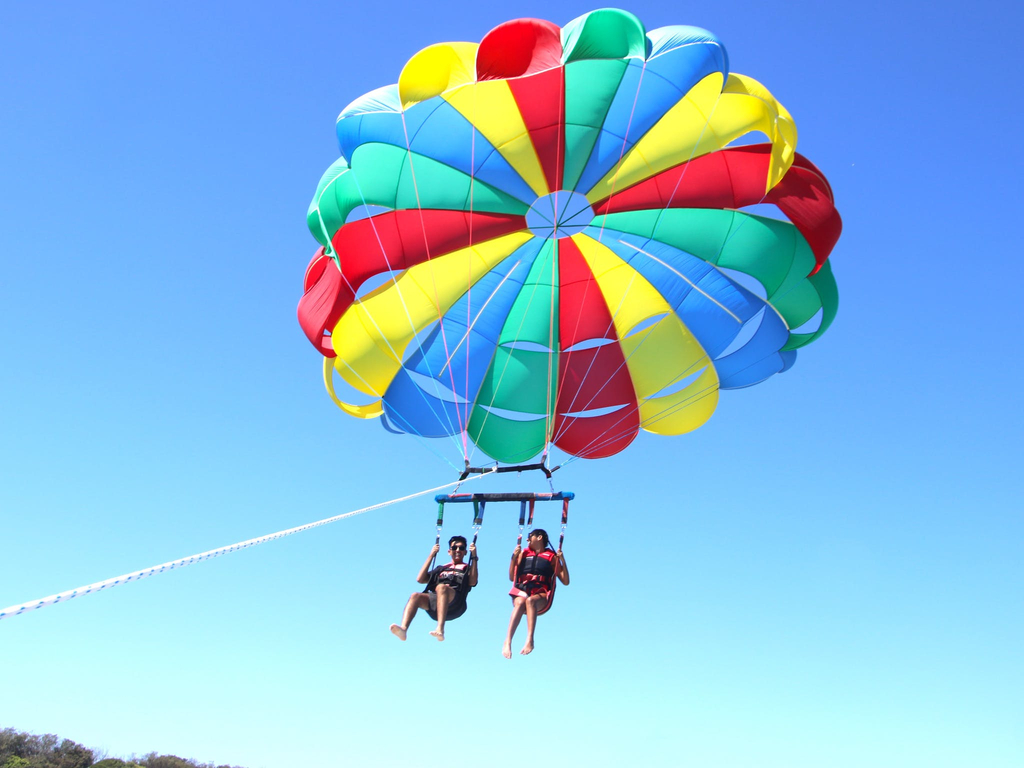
<point>533,575</point>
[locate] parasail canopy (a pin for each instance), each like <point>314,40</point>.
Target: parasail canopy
<point>538,239</point>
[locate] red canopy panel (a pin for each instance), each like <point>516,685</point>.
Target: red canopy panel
<point>519,47</point>
<point>388,242</point>
<point>734,178</point>
<point>589,379</point>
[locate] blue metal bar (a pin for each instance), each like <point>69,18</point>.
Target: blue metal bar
<point>466,498</point>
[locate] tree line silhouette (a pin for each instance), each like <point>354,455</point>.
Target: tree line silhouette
<point>27,750</point>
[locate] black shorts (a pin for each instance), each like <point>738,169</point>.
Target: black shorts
<point>456,607</point>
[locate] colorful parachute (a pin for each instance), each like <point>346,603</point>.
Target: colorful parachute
<point>535,240</point>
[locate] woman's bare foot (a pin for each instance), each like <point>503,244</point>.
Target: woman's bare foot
<point>438,634</point>
<point>398,632</point>
<point>528,648</point>
<point>506,649</point>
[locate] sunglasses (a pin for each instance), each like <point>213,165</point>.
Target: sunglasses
<point>458,548</point>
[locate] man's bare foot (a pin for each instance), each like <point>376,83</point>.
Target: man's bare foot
<point>528,648</point>
<point>506,650</point>
<point>438,634</point>
<point>398,632</point>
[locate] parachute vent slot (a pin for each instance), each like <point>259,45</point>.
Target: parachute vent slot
<point>678,386</point>
<point>594,412</point>
<point>645,325</point>
<point>746,333</point>
<point>812,325</point>
<point>528,346</point>
<point>589,344</point>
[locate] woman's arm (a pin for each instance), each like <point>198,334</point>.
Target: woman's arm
<point>563,569</point>
<point>513,566</point>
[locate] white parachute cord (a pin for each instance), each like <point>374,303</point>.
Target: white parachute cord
<point>15,610</point>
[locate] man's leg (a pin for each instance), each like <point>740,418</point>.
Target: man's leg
<point>533,603</point>
<point>518,606</point>
<point>416,601</point>
<point>444,598</point>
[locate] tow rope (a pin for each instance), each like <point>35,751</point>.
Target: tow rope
<point>15,610</point>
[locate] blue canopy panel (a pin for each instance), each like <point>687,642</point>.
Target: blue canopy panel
<point>640,103</point>
<point>711,305</point>
<point>436,130</point>
<point>685,55</point>
<point>750,361</point>
<point>432,394</point>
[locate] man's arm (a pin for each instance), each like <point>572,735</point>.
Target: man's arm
<point>563,569</point>
<point>424,575</point>
<point>474,575</point>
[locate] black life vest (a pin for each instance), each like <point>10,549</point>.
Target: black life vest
<point>537,569</point>
<point>455,576</point>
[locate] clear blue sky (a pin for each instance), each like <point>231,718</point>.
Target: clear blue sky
<point>826,574</point>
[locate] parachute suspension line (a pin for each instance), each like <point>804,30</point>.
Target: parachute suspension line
<point>611,323</point>
<point>625,138</point>
<point>549,411</point>
<point>504,368</point>
<point>433,277</point>
<point>622,151</point>
<point>608,379</point>
<point>440,524</point>
<point>465,338</point>
<point>478,521</point>
<point>608,439</point>
<point>565,519</point>
<point>685,279</point>
<point>519,541</point>
<point>328,250</point>
<point>469,275</point>
<point>657,224</point>
<point>696,397</point>
<point>15,610</point>
<point>405,309</point>
<point>686,167</point>
<point>549,408</point>
<point>469,327</point>
<point>329,371</point>
<point>562,381</point>
<point>700,395</point>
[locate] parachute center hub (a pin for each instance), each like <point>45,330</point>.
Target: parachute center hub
<point>560,214</point>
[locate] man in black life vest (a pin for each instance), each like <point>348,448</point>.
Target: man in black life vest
<point>444,597</point>
<point>533,575</point>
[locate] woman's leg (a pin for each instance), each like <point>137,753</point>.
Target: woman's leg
<point>518,606</point>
